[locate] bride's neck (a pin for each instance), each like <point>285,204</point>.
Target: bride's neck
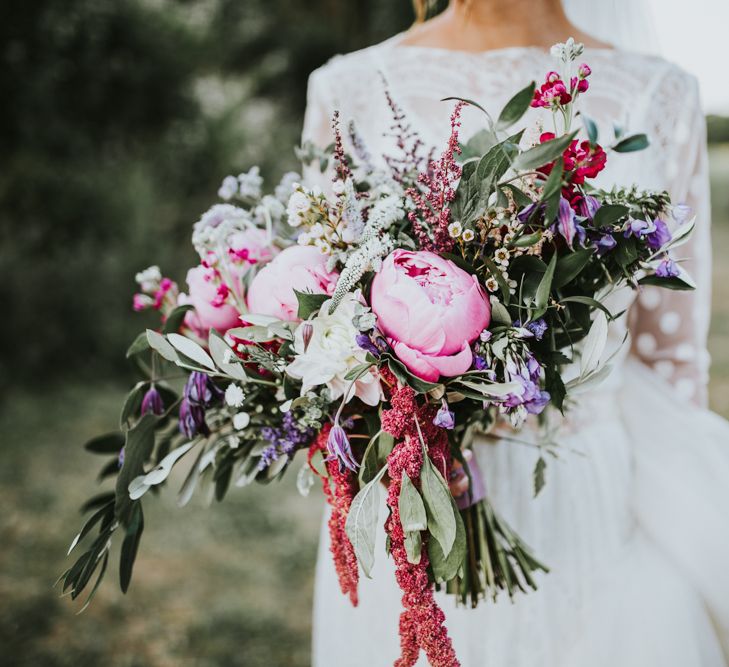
<point>481,25</point>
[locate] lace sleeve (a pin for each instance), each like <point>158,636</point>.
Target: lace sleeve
<point>669,329</point>
<point>317,125</point>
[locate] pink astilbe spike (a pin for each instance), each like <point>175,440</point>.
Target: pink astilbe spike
<point>432,213</point>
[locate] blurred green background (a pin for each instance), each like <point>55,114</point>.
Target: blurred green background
<point>119,120</point>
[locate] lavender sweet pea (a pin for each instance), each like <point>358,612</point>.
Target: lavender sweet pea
<point>567,224</point>
<point>152,402</point>
<point>445,418</point>
<point>199,394</point>
<point>340,449</point>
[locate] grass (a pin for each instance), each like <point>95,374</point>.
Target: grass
<point>222,587</point>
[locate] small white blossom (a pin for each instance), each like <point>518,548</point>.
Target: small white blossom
<point>316,230</point>
<point>242,419</point>
<point>289,182</point>
<point>338,187</point>
<point>299,204</point>
<point>492,284</point>
<point>455,229</point>
<point>233,441</point>
<point>250,183</point>
<point>304,238</point>
<point>149,279</point>
<point>228,188</point>
<point>567,51</point>
<point>501,256</point>
<point>468,235</point>
<point>234,396</point>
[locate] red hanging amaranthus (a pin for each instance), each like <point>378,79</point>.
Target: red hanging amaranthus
<point>422,620</point>
<point>340,488</point>
<point>432,213</point>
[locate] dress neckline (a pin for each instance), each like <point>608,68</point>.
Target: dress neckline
<point>396,43</point>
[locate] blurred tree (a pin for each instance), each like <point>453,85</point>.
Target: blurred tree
<point>120,120</point>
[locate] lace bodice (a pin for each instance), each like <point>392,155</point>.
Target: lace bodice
<point>640,93</point>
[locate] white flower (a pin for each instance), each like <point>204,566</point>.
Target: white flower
<point>501,256</point>
<point>233,441</point>
<point>338,187</point>
<point>332,352</point>
<point>455,229</point>
<point>289,182</point>
<point>323,246</point>
<point>234,396</point>
<point>316,230</point>
<point>304,238</point>
<point>149,279</point>
<point>298,206</point>
<point>228,188</point>
<point>468,235</point>
<point>492,284</point>
<point>241,420</point>
<point>250,183</point>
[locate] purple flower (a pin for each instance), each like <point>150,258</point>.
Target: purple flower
<point>365,342</point>
<point>637,228</point>
<point>479,363</point>
<point>659,236</point>
<point>339,448</point>
<point>538,328</point>
<point>588,206</point>
<point>681,213</point>
<point>284,439</point>
<point>667,269</point>
<point>445,418</point>
<point>121,457</point>
<point>200,393</point>
<point>605,243</point>
<point>192,419</point>
<point>152,402</point>
<point>567,224</point>
<point>200,390</point>
<point>526,213</point>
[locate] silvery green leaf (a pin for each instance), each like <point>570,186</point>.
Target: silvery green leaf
<point>446,567</point>
<point>224,357</point>
<point>159,344</point>
<point>304,480</point>
<point>410,504</point>
<point>499,313</point>
<point>499,347</point>
<point>142,483</point>
<point>413,546</point>
<point>257,334</point>
<point>437,497</point>
<point>594,345</point>
<point>496,389</point>
<point>580,385</point>
<point>191,350</point>
<point>246,472</point>
<point>260,320</point>
<point>681,235</point>
<point>277,466</point>
<point>538,475</point>
<point>362,520</point>
<point>188,486</point>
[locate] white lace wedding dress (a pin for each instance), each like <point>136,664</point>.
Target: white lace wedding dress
<point>634,518</point>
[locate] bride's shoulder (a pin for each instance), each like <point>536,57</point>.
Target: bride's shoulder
<point>357,67</point>
<point>650,73</point>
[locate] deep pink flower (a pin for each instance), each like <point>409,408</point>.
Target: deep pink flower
<point>209,297</point>
<point>552,93</point>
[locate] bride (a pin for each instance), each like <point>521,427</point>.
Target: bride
<point>634,518</point>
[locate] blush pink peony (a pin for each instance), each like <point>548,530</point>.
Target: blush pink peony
<point>430,311</point>
<point>301,268</point>
<point>213,306</point>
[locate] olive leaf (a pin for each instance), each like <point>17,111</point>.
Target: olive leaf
<point>439,510</point>
<point>361,524</point>
<point>410,504</point>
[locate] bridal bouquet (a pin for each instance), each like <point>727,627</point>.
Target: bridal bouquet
<point>375,328</point>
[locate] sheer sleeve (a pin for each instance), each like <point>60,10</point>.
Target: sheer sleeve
<point>317,124</point>
<point>669,329</point>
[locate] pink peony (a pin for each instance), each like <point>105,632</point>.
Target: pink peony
<point>250,247</point>
<point>213,309</point>
<point>302,268</point>
<point>430,311</point>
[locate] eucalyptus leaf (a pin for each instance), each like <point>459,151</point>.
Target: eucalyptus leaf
<point>570,266</point>
<point>446,567</point>
<point>414,546</point>
<point>594,344</point>
<point>191,350</point>
<point>130,546</point>
<point>608,214</point>
<point>538,475</point>
<point>516,107</point>
<point>437,498</point>
<point>541,298</point>
<point>362,522</point>
<point>411,507</point>
<point>139,345</point>
<point>160,344</point>
<point>543,154</point>
<point>635,142</point>
<point>225,358</point>
<point>499,312</point>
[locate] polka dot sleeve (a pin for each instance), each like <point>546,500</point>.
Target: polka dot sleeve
<point>669,328</point>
